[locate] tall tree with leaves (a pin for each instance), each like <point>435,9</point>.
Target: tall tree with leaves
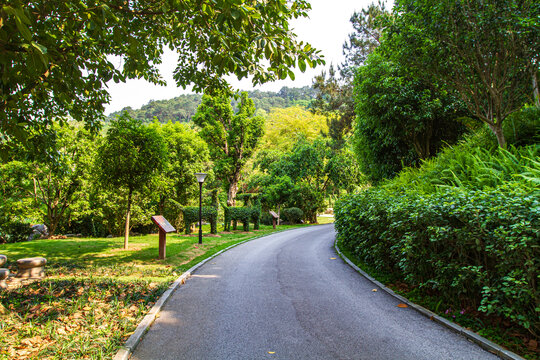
<point>487,51</point>
<point>56,56</point>
<point>335,92</point>
<point>130,155</point>
<point>231,137</point>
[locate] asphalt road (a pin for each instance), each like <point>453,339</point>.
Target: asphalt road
<point>285,297</point>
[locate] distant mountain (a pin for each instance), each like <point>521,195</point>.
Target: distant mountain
<point>183,107</point>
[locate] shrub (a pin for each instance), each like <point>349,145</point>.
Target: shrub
<point>292,215</point>
<point>191,216</point>
<point>266,218</point>
<point>523,127</point>
<point>475,247</point>
<point>15,231</point>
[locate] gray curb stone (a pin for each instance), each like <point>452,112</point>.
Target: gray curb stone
<point>471,336</point>
<point>127,349</point>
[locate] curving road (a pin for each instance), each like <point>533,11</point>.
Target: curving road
<point>283,297</point>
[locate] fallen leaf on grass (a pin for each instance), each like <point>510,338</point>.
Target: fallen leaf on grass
<point>533,344</point>
<point>402,305</point>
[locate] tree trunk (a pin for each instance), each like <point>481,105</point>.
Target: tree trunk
<point>278,213</point>
<point>128,213</point>
<point>497,130</point>
<point>231,195</point>
<point>536,93</point>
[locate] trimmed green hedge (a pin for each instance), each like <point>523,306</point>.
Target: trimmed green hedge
<point>191,216</point>
<point>251,211</point>
<point>474,247</point>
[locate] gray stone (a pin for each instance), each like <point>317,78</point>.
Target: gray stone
<point>3,260</point>
<point>31,268</point>
<point>4,273</point>
<point>39,231</point>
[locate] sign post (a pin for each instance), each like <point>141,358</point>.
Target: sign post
<point>274,217</point>
<point>164,228</point>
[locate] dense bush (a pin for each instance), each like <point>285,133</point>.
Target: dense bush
<point>14,231</point>
<point>208,213</point>
<point>465,225</point>
<point>292,215</point>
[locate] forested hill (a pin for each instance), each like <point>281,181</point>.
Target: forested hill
<point>183,107</point>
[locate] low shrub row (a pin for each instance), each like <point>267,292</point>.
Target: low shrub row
<point>472,247</point>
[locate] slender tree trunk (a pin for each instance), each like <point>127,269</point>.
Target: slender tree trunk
<point>278,213</point>
<point>536,93</point>
<point>128,213</point>
<point>497,130</point>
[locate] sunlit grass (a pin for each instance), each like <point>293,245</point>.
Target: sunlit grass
<point>95,292</point>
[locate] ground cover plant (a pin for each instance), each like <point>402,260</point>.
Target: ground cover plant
<point>95,292</point>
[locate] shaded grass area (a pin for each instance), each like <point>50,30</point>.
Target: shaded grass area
<point>493,328</point>
<point>95,292</point>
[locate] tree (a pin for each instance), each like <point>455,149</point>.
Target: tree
<point>130,155</point>
<point>405,106</point>
<point>231,137</point>
<point>49,185</point>
<point>187,154</point>
<point>284,126</point>
<point>335,97</point>
<point>278,191</point>
<point>57,56</point>
<point>368,29</point>
<point>486,51</point>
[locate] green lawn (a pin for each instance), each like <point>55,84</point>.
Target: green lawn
<point>95,292</point>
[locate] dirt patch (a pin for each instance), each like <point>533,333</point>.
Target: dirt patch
<point>211,235</point>
<point>227,232</point>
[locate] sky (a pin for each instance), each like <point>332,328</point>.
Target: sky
<point>326,29</point>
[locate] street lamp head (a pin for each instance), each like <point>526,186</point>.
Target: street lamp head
<point>200,177</point>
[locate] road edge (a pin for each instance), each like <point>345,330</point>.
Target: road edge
<point>471,336</point>
<point>127,349</point>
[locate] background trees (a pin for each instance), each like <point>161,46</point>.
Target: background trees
<point>485,51</point>
<point>129,156</point>
<point>231,137</point>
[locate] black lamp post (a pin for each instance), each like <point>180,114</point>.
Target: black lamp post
<point>200,179</point>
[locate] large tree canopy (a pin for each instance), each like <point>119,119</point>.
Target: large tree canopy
<point>487,51</point>
<point>232,137</point>
<point>57,56</point>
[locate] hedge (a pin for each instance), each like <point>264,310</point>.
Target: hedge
<point>191,216</point>
<point>474,247</point>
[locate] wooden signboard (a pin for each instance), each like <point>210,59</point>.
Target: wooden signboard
<point>274,217</point>
<point>164,228</point>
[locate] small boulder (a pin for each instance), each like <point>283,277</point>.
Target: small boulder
<point>4,273</point>
<point>31,268</point>
<point>3,260</point>
<point>39,231</point>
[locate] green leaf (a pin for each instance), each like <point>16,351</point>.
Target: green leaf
<point>302,65</point>
<point>23,29</point>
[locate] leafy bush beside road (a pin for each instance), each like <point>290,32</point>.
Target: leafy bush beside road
<point>474,247</point>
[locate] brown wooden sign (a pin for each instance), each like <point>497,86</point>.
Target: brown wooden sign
<point>163,224</point>
<point>274,215</point>
<point>164,228</point>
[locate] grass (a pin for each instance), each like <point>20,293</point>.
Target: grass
<point>95,292</point>
<point>491,327</point>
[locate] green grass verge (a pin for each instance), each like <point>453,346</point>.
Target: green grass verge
<point>491,327</point>
<point>95,292</point>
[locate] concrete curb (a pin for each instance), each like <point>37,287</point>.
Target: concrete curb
<point>471,336</point>
<point>127,349</point>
